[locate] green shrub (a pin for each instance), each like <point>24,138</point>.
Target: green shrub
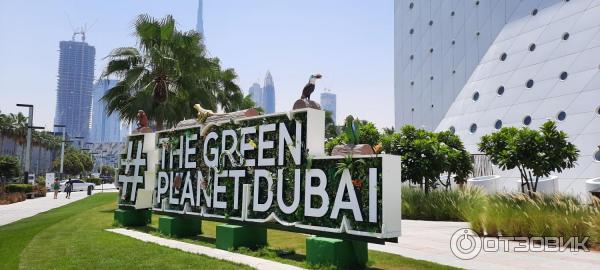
<point>368,134</point>
<point>331,143</point>
<point>24,188</point>
<point>96,181</point>
<point>441,205</point>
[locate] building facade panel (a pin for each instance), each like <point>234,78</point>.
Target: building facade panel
<point>515,63</point>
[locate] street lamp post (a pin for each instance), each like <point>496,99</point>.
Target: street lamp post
<point>62,150</point>
<point>28,149</point>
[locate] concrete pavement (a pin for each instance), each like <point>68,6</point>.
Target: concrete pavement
<point>430,240</point>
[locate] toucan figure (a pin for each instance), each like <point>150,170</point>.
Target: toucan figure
<point>310,86</point>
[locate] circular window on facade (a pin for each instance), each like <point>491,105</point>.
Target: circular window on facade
<point>431,50</point>
<point>477,3</point>
<point>597,156</point>
<point>473,128</point>
<point>565,36</point>
<point>452,129</point>
<point>564,75</point>
<point>453,42</point>
<point>412,83</point>
<point>431,78</point>
<point>500,91</point>
<point>529,83</point>
<point>534,12</point>
<point>411,57</point>
<point>498,124</point>
<point>527,120</point>
<point>411,5</point>
<point>452,13</point>
<point>503,57</point>
<point>561,116</point>
<point>430,23</point>
<point>475,96</point>
<point>532,47</point>
<point>411,31</point>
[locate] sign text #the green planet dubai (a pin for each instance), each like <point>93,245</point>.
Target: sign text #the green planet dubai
<point>263,169</point>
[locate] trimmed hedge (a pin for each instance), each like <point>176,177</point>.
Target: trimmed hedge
<point>24,188</point>
<point>96,181</point>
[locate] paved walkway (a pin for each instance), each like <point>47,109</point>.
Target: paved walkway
<point>255,262</point>
<point>427,240</point>
<point>13,212</point>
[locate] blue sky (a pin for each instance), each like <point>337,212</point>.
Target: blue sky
<point>350,42</point>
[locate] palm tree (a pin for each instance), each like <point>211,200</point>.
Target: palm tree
<point>18,130</point>
<point>166,75</point>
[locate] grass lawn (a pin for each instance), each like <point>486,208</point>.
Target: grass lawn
<point>73,237</point>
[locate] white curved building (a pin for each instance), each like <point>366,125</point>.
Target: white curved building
<point>476,66</point>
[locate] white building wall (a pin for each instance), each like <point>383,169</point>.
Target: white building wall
<point>578,95</point>
<point>448,40</point>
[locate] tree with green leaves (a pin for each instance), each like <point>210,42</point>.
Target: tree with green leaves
<point>9,167</point>
<point>459,164</point>
<point>427,155</point>
<point>535,153</point>
<point>107,170</point>
<point>75,163</point>
<point>423,156</point>
<point>167,74</point>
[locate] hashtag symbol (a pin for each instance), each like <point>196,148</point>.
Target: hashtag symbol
<point>135,179</point>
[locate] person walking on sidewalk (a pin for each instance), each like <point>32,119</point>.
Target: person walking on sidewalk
<point>56,187</point>
<point>68,188</point>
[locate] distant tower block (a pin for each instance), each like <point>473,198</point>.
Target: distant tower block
<point>268,97</point>
<point>199,22</point>
<point>75,84</point>
<point>256,94</point>
<point>328,103</point>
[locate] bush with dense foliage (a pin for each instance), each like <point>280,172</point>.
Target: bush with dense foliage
<point>332,142</point>
<point>95,181</point>
<point>535,153</point>
<point>354,132</point>
<point>9,167</point>
<point>23,188</point>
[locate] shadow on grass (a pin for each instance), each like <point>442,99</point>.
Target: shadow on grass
<point>204,239</point>
<point>290,256</point>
